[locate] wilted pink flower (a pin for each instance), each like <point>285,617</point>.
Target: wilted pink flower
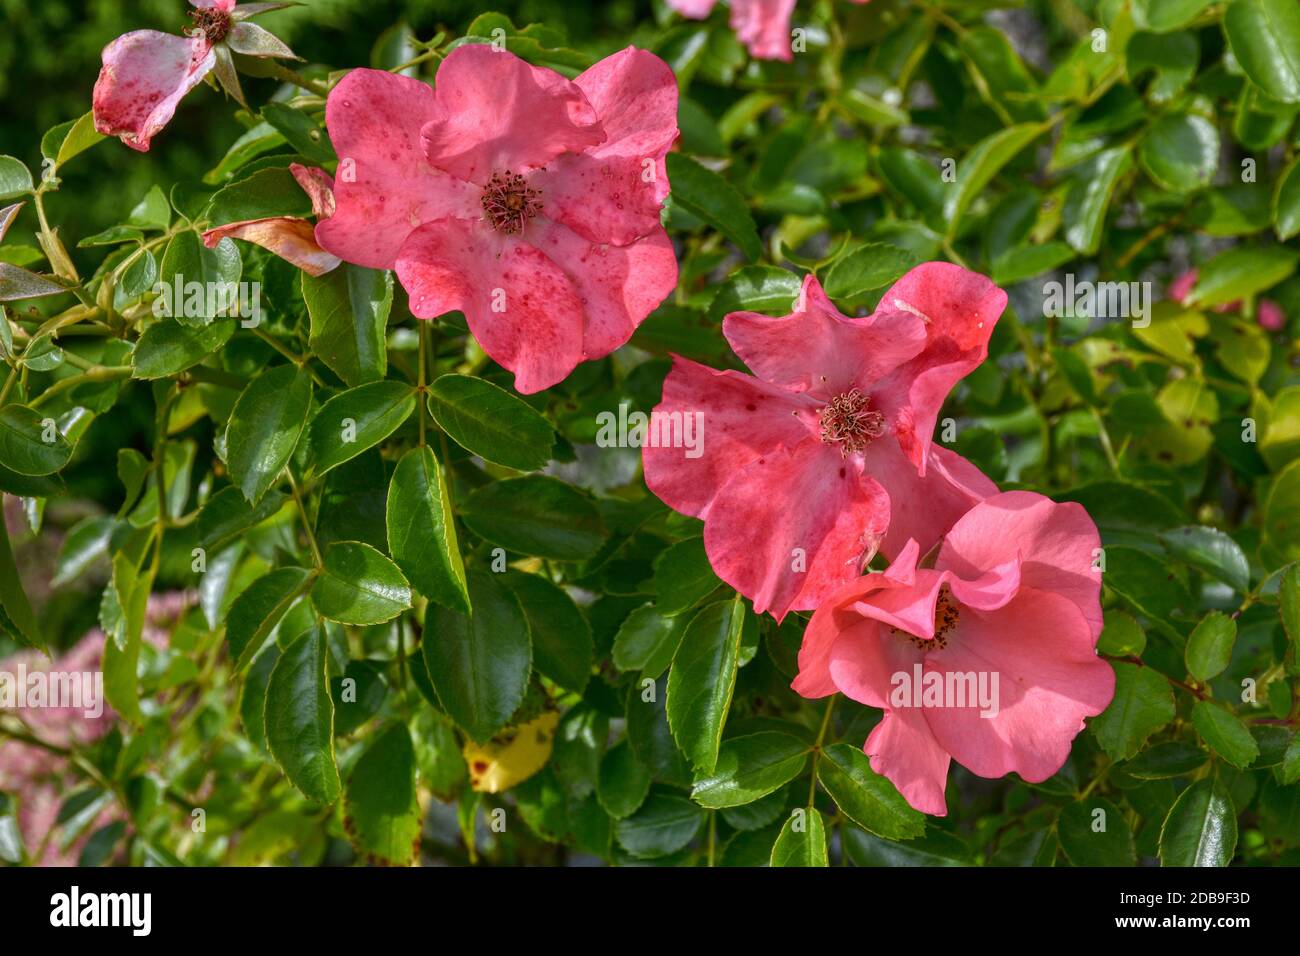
<point>290,237</point>
<point>763,26</point>
<point>826,456</point>
<point>527,201</point>
<point>989,658</point>
<point>147,73</point>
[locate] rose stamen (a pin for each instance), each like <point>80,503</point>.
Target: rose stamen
<point>509,202</point>
<point>214,25</point>
<point>850,422</point>
<point>946,617</point>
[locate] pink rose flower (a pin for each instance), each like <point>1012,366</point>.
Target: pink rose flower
<point>147,73</point>
<point>988,658</point>
<point>763,26</point>
<point>1270,316</point>
<point>527,201</point>
<point>290,237</point>
<point>826,456</point>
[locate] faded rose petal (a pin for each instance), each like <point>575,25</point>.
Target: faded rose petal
<point>521,306</point>
<point>385,188</point>
<point>493,112</point>
<point>144,76</point>
<point>695,9</point>
<point>743,419</point>
<point>819,350</point>
<point>763,26</point>
<point>292,239</point>
<point>318,185</point>
<point>618,286</point>
<point>756,541</point>
<point>603,193</point>
<point>960,309</point>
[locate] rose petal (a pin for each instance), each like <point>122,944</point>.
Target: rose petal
<point>385,187</point>
<point>495,113</point>
<point>764,27</point>
<point>604,194</point>
<point>317,184</point>
<point>695,9</point>
<point>519,304</point>
<point>144,76</point>
<point>292,239</point>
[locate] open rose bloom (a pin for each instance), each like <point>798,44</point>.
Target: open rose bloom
<point>527,201</point>
<point>987,658</point>
<point>146,73</point>
<point>825,456</point>
<point>763,26</point>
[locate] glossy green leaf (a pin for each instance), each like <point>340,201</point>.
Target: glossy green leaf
<point>1201,828</point>
<point>1143,703</point>
<point>708,197</point>
<point>422,531</point>
<point>536,515</point>
<point>702,680</point>
<point>802,841</point>
<point>259,608</point>
<point>490,422</point>
<point>359,585</point>
<point>1265,39</point>
<point>864,796</point>
<point>300,719</point>
<point>382,813</point>
<point>1209,649</point>
<point>1225,734</point>
<point>750,767</point>
<point>358,419</point>
<point>264,428</point>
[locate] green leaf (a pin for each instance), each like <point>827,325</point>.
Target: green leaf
<point>381,812</point>
<point>865,269</point>
<point>864,796</point>
<point>479,664</point>
<point>802,841</point>
<point>1240,272</point>
<point>358,419</point>
<point>1289,603</point>
<point>266,194</point>
<point>702,680</point>
<point>1265,39</point>
<point>647,640</point>
<point>1143,703</point>
<point>227,515</point>
<point>1176,758</point>
<point>765,289</point>
<point>70,139</point>
<point>1083,217</point>
<point>536,515</point>
<point>1286,202</point>
<point>16,284</point>
<point>257,610</point>
<point>422,531</point>
<point>252,696</point>
<point>1225,734</point>
<point>563,649</point>
<point>1209,649</point>
<point>264,427</point>
<point>1094,832</point>
<point>490,422</point>
<point>1025,262</point>
<point>683,576</point>
<point>302,132</point>
<point>151,212</point>
<point>1181,152</point>
<point>349,309</point>
<point>1161,16</point>
<point>749,768</point>
<point>15,180</point>
<point>708,197</point>
<point>300,718</point>
<point>13,599</point>
<point>981,164</point>
<point>1201,828</point>
<point>167,348</point>
<point>196,280</point>
<point>30,443</point>
<point>359,585</point>
<point>662,825</point>
<point>624,781</point>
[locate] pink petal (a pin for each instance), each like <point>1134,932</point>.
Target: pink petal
<point>1181,286</point>
<point>617,285</point>
<point>226,5</point>
<point>1049,680</point>
<point>960,309</point>
<point>864,658</point>
<point>924,507</point>
<point>806,498</point>
<point>145,75</point>
<point>695,9</point>
<point>317,184</point>
<point>495,113</point>
<point>604,194</point>
<point>903,748</point>
<point>764,27</point>
<point>1056,544</point>
<point>743,419</point>
<point>1270,316</point>
<point>289,238</point>
<point>385,188</point>
<point>520,305</point>
<point>819,350</point>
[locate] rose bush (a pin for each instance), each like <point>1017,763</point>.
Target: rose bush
<point>674,432</point>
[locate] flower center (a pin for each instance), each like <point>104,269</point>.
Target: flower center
<point>213,24</point>
<point>848,421</point>
<point>946,616</point>
<point>509,202</point>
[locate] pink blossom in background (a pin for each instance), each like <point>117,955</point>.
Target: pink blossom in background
<point>763,26</point>
<point>1012,592</point>
<point>527,201</point>
<point>290,237</point>
<point>823,455</point>
<point>1268,313</point>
